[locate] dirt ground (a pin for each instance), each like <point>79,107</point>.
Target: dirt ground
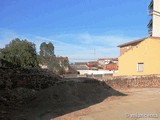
<point>62,98</point>
<point>141,104</point>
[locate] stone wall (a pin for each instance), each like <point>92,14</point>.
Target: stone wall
<point>151,81</point>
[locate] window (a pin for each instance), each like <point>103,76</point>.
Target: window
<point>140,67</point>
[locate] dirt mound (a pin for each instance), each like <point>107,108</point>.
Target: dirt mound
<point>36,94</point>
<point>19,85</point>
<point>33,78</point>
<point>62,98</point>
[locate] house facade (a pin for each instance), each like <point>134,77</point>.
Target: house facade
<point>139,57</point>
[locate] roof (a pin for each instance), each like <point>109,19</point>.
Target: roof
<point>92,62</point>
<point>107,59</point>
<point>80,63</point>
<point>80,67</point>
<point>131,42</point>
<point>136,41</point>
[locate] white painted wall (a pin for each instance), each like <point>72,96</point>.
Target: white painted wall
<point>95,72</point>
<point>156,19</point>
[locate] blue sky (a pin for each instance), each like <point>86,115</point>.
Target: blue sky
<point>75,27</point>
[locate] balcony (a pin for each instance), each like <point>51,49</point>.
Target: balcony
<point>150,12</point>
<point>150,7</point>
<point>150,31</point>
<point>154,12</point>
<point>150,24</point>
<point>150,27</point>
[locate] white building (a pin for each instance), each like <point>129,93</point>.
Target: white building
<point>154,24</point>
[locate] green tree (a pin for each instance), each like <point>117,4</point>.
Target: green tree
<point>46,52</point>
<point>54,65</point>
<point>20,52</point>
<point>47,57</point>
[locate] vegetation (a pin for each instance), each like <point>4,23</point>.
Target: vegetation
<point>23,53</point>
<point>20,52</point>
<point>46,53</point>
<point>47,57</point>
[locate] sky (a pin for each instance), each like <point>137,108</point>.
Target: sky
<point>83,30</point>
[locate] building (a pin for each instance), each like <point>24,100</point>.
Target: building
<point>92,65</point>
<point>108,63</point>
<point>154,23</point>
<point>139,57</point>
<point>79,67</point>
<point>111,67</point>
<point>80,63</point>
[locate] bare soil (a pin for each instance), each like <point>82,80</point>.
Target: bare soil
<point>140,101</point>
<point>62,98</point>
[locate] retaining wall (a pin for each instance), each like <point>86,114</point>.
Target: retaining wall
<point>150,81</point>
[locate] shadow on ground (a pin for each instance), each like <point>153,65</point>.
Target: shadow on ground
<point>64,97</point>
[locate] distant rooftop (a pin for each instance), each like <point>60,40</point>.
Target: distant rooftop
<point>80,63</point>
<point>108,59</point>
<point>79,67</point>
